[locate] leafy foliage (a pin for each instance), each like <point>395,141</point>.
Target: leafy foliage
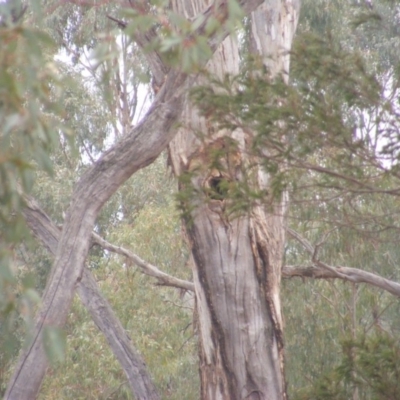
<point>31,125</point>
<point>335,127</point>
<point>370,365</point>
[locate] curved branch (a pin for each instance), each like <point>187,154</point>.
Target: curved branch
<point>322,270</point>
<point>48,233</point>
<point>147,268</point>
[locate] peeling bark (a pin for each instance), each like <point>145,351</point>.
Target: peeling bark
<point>237,262</point>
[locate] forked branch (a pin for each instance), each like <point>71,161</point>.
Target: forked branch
<point>48,233</point>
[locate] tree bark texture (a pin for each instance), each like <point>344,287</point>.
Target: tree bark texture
<point>95,187</point>
<point>237,262</point>
<point>136,150</point>
<point>99,308</point>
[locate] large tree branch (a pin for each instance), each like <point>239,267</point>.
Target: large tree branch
<point>147,268</point>
<point>100,310</point>
<point>48,233</point>
<point>323,270</point>
<point>136,150</point>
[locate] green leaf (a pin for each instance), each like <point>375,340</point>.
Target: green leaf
<point>169,43</point>
<point>129,13</point>
<point>5,270</point>
<point>28,179</point>
<point>11,122</point>
<point>43,159</point>
<point>179,21</point>
<point>32,42</point>
<point>197,22</point>
<point>186,61</point>
<point>139,23</point>
<point>7,82</point>
<point>28,281</point>
<point>44,38</point>
<point>212,26</point>
<point>31,297</point>
<point>234,9</point>
<point>36,6</point>
<point>203,47</point>
<point>54,341</point>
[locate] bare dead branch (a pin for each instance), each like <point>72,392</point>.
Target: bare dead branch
<point>121,24</point>
<point>307,271</point>
<point>147,268</point>
<point>48,233</point>
<point>144,40</point>
<point>322,270</point>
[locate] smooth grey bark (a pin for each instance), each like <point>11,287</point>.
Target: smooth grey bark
<point>137,150</point>
<point>99,308</point>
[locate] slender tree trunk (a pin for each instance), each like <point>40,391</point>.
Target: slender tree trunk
<point>237,262</point>
<point>99,308</point>
<point>94,188</point>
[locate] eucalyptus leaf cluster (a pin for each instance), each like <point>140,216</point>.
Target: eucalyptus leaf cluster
<point>31,120</point>
<point>181,42</point>
<point>369,365</point>
<point>336,122</point>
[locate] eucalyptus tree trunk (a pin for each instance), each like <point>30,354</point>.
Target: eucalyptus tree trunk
<point>237,262</point>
